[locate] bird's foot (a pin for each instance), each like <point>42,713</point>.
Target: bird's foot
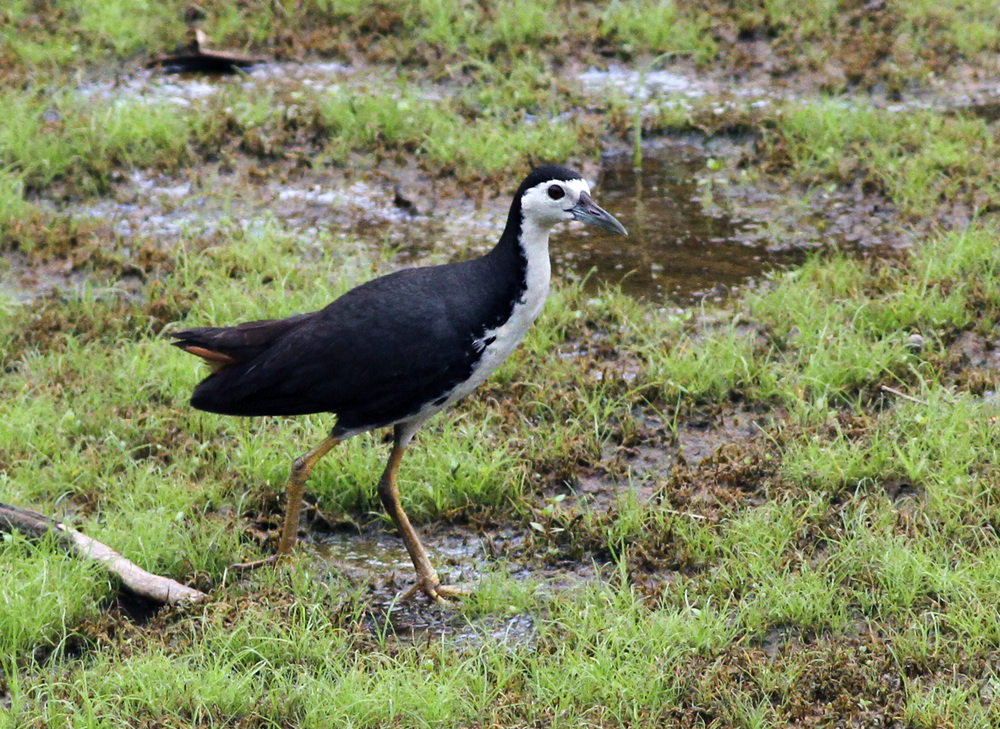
<point>432,587</point>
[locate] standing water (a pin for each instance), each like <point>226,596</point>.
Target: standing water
<point>675,248</point>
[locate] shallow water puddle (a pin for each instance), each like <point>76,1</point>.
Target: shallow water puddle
<point>184,89</point>
<point>987,110</point>
<point>422,623</point>
<point>456,555</point>
<point>637,84</point>
<point>460,557</point>
<point>687,242</point>
<point>675,247</point>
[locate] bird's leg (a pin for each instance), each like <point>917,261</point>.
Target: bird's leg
<point>301,469</point>
<point>427,578</point>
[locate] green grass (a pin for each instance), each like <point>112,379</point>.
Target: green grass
<point>65,137</point>
<point>797,536</point>
<point>14,209</point>
<point>45,595</point>
<point>837,569</point>
<point>439,134</point>
<point>794,351</point>
<point>917,158</point>
<point>592,666</point>
<point>659,27</point>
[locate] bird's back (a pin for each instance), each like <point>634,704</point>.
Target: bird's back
<point>374,356</point>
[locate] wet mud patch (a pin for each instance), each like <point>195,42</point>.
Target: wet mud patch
<point>461,556</point>
<point>967,90</point>
<point>23,282</point>
<point>661,451</point>
<point>167,206</point>
<point>699,438</point>
<point>831,675</point>
<point>122,240</point>
<point>972,350</point>
<point>393,208</point>
<point>643,500</point>
<point>54,254</point>
<point>735,473</point>
<point>973,362</point>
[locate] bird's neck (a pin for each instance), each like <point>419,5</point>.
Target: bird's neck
<point>523,254</point>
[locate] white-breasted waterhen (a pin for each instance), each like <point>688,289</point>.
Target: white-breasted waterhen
<point>398,349</point>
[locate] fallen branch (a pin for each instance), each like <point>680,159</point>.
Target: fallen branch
<point>897,393</point>
<point>135,579</point>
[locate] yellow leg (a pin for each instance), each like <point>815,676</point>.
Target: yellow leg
<point>301,469</point>
<point>427,578</point>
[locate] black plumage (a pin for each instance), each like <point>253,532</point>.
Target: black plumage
<point>373,356</point>
<point>393,349</point>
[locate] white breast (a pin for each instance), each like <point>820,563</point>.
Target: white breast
<point>497,344</point>
<point>503,339</point>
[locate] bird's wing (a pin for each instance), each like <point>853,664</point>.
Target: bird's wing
<point>372,356</point>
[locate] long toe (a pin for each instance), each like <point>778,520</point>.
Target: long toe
<point>437,592</point>
<point>453,592</point>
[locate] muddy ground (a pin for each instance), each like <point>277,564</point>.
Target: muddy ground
<point>713,215</point>
<point>699,233</point>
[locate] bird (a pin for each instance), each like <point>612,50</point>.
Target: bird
<point>394,351</point>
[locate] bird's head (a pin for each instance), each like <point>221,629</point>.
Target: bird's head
<point>551,195</point>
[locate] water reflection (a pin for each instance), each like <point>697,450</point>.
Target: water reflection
<point>675,248</point>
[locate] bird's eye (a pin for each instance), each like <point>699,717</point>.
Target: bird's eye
<point>556,192</point>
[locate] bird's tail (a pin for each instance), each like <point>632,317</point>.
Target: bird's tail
<point>223,347</point>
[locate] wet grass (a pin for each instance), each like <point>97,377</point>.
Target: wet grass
<point>68,145</point>
<point>919,159</point>
<point>862,511</point>
<point>438,132</point>
<point>857,44</point>
<point>839,568</point>
<point>46,595</point>
<point>48,137</point>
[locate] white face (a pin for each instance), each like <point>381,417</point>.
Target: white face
<point>548,203</point>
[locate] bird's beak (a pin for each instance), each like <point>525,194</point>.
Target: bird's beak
<point>587,211</point>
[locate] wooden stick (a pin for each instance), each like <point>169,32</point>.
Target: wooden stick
<point>897,393</point>
<point>135,579</point>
